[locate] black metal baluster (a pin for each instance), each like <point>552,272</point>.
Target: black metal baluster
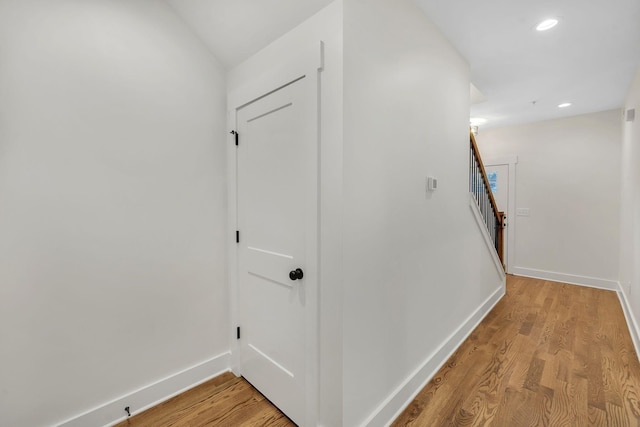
<point>483,196</point>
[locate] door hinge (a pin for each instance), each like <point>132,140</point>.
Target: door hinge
<point>238,332</point>
<point>233,132</point>
<point>237,236</point>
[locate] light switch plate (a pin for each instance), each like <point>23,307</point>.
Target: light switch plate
<point>432,183</point>
<point>631,114</point>
<point>523,212</point>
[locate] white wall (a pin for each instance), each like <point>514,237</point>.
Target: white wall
<point>568,176</point>
<point>630,204</point>
<point>415,266</point>
<point>112,218</point>
<point>327,26</point>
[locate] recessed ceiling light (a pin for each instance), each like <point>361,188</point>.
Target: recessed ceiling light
<point>477,121</point>
<point>564,105</point>
<point>547,24</point>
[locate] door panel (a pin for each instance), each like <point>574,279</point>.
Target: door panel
<point>276,163</point>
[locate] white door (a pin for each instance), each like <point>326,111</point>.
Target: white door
<point>277,220</point>
<point>498,176</point>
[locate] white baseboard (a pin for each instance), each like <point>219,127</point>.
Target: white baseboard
<point>402,396</point>
<point>634,329</point>
<point>592,282</point>
<point>113,412</point>
<point>473,204</point>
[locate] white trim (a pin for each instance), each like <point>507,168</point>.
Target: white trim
<point>310,63</point>
<point>473,204</point>
<point>591,282</point>
<point>151,395</point>
<point>402,396</point>
<point>510,230</point>
<point>634,329</point>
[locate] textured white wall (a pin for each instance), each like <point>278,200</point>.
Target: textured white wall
<point>113,204</point>
<point>630,212</point>
<point>568,175</point>
<point>415,266</point>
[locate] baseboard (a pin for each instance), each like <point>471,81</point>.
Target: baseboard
<point>402,396</point>
<point>473,204</point>
<point>112,412</point>
<point>592,282</point>
<point>634,329</point>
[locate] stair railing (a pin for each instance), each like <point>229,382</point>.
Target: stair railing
<point>480,188</point>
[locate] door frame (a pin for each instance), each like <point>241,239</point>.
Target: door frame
<point>511,223</point>
<point>308,63</point>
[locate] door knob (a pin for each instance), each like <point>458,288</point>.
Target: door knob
<point>296,274</point>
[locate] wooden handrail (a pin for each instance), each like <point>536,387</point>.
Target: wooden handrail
<point>484,173</point>
<point>499,216</point>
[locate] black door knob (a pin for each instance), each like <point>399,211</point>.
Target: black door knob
<point>296,274</point>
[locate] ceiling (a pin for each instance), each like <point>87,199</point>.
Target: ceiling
<point>589,59</point>
<point>236,29</point>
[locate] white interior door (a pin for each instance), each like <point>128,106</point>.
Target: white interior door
<point>277,219</point>
<point>498,176</point>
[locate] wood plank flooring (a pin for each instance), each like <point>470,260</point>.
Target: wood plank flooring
<point>548,354</point>
<point>223,401</point>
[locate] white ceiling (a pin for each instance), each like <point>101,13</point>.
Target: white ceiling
<point>589,59</point>
<point>236,29</point>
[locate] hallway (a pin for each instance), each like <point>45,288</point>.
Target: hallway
<point>548,354</point>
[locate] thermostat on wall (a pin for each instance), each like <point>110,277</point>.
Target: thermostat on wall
<point>432,183</point>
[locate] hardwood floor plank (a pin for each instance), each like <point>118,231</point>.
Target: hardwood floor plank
<point>532,381</point>
<point>223,401</point>
<point>549,354</point>
<point>528,324</point>
<point>616,416</point>
<point>597,417</point>
<point>578,391</point>
<point>563,414</point>
<point>595,384</point>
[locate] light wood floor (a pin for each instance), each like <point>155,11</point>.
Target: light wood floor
<point>223,401</point>
<point>548,354</point>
